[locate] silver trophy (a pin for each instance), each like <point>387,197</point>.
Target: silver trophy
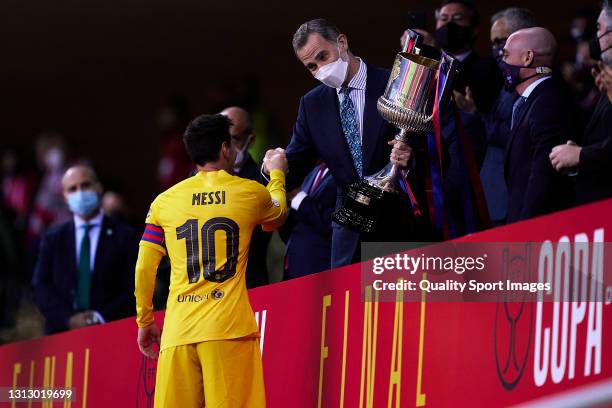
<point>408,103</point>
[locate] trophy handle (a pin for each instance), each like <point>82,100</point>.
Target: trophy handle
<point>449,66</point>
<point>413,40</point>
<point>402,136</point>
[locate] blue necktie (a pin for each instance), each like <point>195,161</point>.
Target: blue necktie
<point>516,108</point>
<point>84,282</point>
<point>350,127</point>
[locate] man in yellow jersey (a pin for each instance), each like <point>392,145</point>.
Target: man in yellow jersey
<point>209,353</point>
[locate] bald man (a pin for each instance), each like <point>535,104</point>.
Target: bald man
<point>245,166</point>
<point>85,268</point>
<point>242,138</point>
<point>539,121</point>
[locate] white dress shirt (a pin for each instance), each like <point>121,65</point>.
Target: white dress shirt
<point>533,86</point>
<point>357,94</point>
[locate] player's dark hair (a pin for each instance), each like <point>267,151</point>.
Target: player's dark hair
<point>204,136</point>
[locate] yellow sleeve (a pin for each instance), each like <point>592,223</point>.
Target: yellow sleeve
<point>146,270</point>
<point>152,249</point>
<point>153,235</point>
<point>273,202</point>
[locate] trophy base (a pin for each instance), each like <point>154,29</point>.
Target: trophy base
<point>361,207</point>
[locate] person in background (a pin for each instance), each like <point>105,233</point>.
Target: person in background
<point>497,121</point>
<point>48,207</point>
<point>85,268</point>
<point>308,231</point>
<point>591,162</point>
<point>457,24</point>
<point>576,72</point>
<point>174,165</point>
<point>10,279</point>
<point>113,205</point>
<point>539,121</point>
<point>18,186</point>
<point>243,138</point>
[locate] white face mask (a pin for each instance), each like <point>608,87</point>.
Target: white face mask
<point>334,73</point>
<point>241,155</point>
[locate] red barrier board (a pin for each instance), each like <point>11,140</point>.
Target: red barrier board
<point>323,346</point>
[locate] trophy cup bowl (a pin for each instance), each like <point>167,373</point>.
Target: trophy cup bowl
<point>408,103</point>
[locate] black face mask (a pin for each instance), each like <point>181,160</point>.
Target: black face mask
<point>595,49</point>
<point>453,38</point>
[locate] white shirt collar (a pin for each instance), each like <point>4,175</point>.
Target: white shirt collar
<point>359,80</point>
<point>95,221</point>
<point>533,86</point>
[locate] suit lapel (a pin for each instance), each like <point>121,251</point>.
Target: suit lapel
<point>517,126</point>
<point>523,112</point>
<point>106,234</point>
<point>372,121</point>
<point>69,238</point>
<point>334,142</point>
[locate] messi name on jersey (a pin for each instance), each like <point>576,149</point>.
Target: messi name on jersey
<point>207,198</point>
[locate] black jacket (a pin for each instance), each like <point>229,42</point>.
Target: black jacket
<point>483,77</point>
<point>534,187</point>
<point>593,181</point>
<point>112,282</point>
<point>257,269</point>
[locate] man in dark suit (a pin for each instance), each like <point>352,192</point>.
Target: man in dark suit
<point>243,137</point>
<point>592,162</point>
<point>497,120</point>
<point>308,231</point>
<point>456,31</point>
<point>85,269</point>
<point>338,122</point>
<point>539,122</point>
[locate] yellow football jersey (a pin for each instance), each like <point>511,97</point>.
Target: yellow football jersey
<point>205,224</point>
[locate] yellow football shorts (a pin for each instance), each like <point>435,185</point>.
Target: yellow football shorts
<point>211,374</point>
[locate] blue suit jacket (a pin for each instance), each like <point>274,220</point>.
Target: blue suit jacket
<point>309,230</point>
<point>112,281</point>
<point>318,134</point>
<point>534,187</point>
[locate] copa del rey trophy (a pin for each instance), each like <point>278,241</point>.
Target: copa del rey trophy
<point>420,83</point>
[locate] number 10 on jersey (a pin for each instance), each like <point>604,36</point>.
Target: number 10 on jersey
<point>190,232</point>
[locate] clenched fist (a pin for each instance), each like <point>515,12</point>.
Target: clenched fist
<point>275,159</point>
<point>400,154</point>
